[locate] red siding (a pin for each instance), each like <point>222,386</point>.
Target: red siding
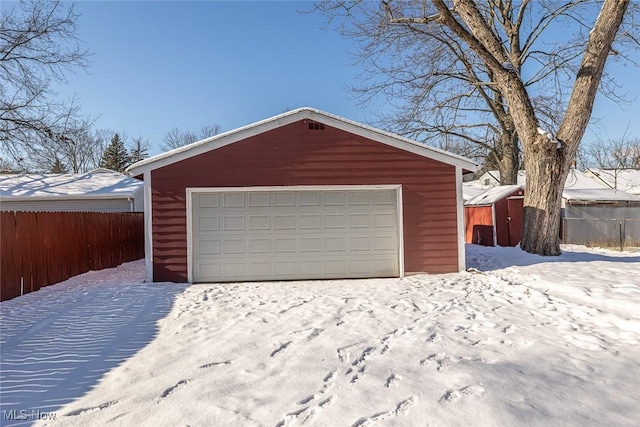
<point>295,155</point>
<point>478,225</point>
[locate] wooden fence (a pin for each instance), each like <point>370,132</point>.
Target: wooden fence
<point>42,248</point>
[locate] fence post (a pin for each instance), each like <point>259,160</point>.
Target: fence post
<point>621,237</point>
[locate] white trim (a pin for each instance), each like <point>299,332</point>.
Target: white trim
<point>191,191</point>
<point>462,262</point>
<point>189,199</point>
<point>493,222</point>
<point>226,138</point>
<point>294,188</point>
<point>148,228</point>
<point>400,231</point>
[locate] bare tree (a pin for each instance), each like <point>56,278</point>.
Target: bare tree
<point>138,150</point>
<point>176,138</point>
<point>440,90</point>
<point>614,156</point>
<point>38,47</point>
<point>490,32</point>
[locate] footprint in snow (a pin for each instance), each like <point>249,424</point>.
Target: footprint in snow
<point>83,411</point>
<point>281,347</point>
<point>393,381</point>
<point>451,396</point>
<point>215,364</point>
<point>401,409</point>
<point>171,390</point>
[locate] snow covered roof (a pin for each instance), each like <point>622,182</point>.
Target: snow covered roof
<point>598,195</point>
<point>624,179</point>
<point>495,194</point>
<point>226,138</point>
<point>575,179</point>
<point>473,189</point>
<point>492,178</point>
<point>99,184</point>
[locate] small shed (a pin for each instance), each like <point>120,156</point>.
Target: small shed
<point>600,217</point>
<point>495,217</point>
<point>302,195</point>
<point>101,190</point>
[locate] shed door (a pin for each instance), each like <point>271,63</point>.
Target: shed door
<point>292,235</point>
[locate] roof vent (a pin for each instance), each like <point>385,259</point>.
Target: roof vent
<point>316,126</point>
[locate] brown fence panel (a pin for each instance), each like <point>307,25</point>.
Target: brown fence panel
<point>42,248</point>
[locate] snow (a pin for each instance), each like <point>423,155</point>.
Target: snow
<point>96,184</point>
<point>472,189</point>
<point>603,195</point>
<point>518,339</point>
<point>495,194</point>
<point>623,179</point>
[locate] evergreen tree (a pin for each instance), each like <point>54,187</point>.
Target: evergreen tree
<point>59,167</point>
<point>115,156</point>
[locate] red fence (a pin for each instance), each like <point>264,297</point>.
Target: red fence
<point>42,248</point>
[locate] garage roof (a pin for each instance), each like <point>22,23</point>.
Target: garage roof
<point>226,138</point>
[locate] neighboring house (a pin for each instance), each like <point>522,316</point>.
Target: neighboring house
<point>302,195</point>
<point>100,190</point>
<point>492,178</point>
<point>495,217</point>
<point>575,179</point>
<point>627,180</point>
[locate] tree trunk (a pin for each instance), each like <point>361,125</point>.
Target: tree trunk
<point>546,176</point>
<point>509,162</point>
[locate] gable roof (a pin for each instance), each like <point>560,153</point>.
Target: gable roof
<point>226,138</point>
<point>99,184</point>
<point>624,179</point>
<point>494,194</point>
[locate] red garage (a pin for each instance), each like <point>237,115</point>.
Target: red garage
<point>302,195</point>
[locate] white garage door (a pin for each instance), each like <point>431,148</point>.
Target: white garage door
<point>294,234</point>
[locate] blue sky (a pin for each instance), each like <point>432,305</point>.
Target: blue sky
<point>159,65</point>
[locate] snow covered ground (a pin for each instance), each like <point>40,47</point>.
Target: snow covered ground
<point>519,340</point>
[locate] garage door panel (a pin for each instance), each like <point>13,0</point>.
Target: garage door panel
<point>208,247</point>
<point>234,247</point>
<point>284,199</point>
<point>282,246</point>
<point>335,244</point>
<point>259,222</point>
<point>284,235</point>
<point>310,221</point>
<point>209,269</point>
<point>362,220</point>
<point>206,223</point>
<point>233,200</point>
<point>259,199</point>
<point>284,222</point>
<point>334,198</point>
<point>260,246</point>
<point>335,220</point>
<point>205,200</point>
<point>310,198</point>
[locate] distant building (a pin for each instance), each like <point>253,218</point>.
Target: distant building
<point>101,190</point>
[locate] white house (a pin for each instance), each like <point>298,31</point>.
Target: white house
<point>100,190</point>
<point>621,179</point>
